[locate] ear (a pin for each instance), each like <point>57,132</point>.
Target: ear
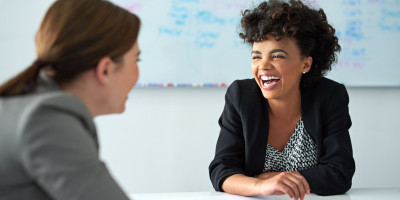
<point>104,70</point>
<point>307,64</point>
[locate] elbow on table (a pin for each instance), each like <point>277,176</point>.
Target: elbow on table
<point>334,188</point>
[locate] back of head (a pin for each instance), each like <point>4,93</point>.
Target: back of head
<point>73,36</point>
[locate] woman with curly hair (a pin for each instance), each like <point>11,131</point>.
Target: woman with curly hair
<point>286,131</point>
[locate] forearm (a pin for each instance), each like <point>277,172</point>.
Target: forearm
<point>267,175</point>
<point>290,183</point>
<point>240,184</point>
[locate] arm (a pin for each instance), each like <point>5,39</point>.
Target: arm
<point>291,183</point>
<point>336,166</point>
<point>229,155</point>
<point>59,153</point>
<point>227,169</point>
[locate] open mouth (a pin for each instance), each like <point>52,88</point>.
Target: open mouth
<point>269,81</point>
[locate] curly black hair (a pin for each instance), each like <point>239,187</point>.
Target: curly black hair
<point>310,29</point>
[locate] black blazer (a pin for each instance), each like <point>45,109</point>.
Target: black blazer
<point>243,138</point>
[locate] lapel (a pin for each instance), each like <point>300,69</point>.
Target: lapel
<point>257,126</point>
<point>310,115</point>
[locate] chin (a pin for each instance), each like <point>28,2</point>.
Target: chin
<point>118,110</point>
<point>121,110</point>
<point>267,95</point>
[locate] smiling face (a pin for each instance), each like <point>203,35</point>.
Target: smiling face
<point>277,67</point>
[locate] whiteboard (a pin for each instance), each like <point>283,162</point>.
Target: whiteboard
<point>196,42</point>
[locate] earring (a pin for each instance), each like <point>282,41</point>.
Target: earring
<point>304,72</point>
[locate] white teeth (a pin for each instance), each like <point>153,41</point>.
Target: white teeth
<point>268,78</point>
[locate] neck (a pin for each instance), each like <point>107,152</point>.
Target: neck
<point>85,90</point>
<point>83,96</point>
<point>287,108</point>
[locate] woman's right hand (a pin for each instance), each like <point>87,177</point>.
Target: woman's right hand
<point>290,183</point>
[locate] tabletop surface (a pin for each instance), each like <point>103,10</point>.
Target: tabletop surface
<point>353,194</point>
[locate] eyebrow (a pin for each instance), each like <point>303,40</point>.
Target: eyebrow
<point>255,52</point>
<point>271,52</point>
<point>278,50</point>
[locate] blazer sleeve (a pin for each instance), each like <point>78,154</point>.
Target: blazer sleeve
<point>61,156</point>
<point>334,172</point>
<point>229,155</point>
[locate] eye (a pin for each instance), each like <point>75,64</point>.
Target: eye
<point>256,57</point>
<point>277,56</point>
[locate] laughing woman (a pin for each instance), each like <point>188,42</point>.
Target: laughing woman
<point>287,130</point>
<point>86,65</point>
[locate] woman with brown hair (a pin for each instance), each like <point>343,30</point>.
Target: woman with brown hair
<point>87,54</point>
<point>287,130</point>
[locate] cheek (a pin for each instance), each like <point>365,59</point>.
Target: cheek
<point>131,77</point>
<point>254,69</point>
<point>291,76</point>
<point>285,70</point>
<point>135,73</point>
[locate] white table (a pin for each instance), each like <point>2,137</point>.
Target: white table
<point>353,194</point>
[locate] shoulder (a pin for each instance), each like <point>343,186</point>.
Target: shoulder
<point>60,120</point>
<point>39,124</point>
<point>56,103</point>
<point>62,101</point>
<point>54,134</point>
<point>245,94</point>
<point>324,98</point>
<point>324,90</point>
<point>56,108</point>
<point>242,88</point>
<point>24,104</point>
<point>61,109</point>
<point>243,85</point>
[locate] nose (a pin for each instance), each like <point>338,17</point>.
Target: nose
<point>265,64</point>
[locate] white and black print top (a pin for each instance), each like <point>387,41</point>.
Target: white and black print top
<point>299,153</point>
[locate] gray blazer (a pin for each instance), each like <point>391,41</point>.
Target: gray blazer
<point>49,149</point>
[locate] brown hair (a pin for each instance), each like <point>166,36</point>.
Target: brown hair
<point>73,36</point>
<point>309,27</point>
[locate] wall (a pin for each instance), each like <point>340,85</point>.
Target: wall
<point>166,138</point>
<point>189,41</point>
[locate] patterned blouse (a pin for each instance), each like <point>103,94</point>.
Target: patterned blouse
<point>299,153</point>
